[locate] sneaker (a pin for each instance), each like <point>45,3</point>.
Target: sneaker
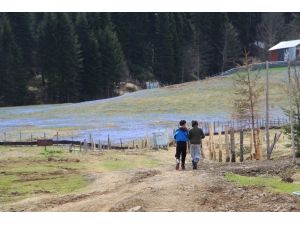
<point>177,164</point>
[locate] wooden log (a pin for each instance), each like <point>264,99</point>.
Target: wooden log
<point>241,146</point>
<point>232,143</point>
<point>220,144</point>
<point>227,144</point>
<point>251,143</point>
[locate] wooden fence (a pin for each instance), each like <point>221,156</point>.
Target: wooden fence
<point>226,144</point>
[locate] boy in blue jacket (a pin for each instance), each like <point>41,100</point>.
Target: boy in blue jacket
<point>181,137</point>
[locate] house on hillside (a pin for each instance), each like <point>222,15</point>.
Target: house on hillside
<point>280,51</point>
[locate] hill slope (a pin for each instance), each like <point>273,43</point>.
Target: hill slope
<point>130,115</point>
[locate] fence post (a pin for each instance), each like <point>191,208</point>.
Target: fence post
<point>227,144</point>
<point>5,138</point>
<point>241,146</point>
<point>20,136</point>
<point>99,145</point>
<point>85,145</point>
<point>210,143</point>
<point>232,144</point>
<point>121,142</point>
<point>57,138</point>
<point>90,141</point>
<point>31,138</point>
<point>251,143</point>
<point>147,141</point>
<point>220,144</point>
<point>259,144</point>
<point>167,136</point>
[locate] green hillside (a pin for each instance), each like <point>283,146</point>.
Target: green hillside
<point>130,115</point>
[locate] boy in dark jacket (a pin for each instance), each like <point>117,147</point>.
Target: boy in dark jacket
<point>181,137</point>
<point>195,137</point>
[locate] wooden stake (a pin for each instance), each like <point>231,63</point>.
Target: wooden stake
<point>91,139</point>
<point>227,144</point>
<point>251,143</point>
<point>220,144</point>
<point>259,145</point>
<point>210,143</point>
<point>167,136</point>
<point>241,146</point>
<point>232,144</point>
<point>85,145</point>
<point>147,141</point>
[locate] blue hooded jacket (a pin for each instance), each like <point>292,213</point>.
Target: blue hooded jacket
<point>181,134</point>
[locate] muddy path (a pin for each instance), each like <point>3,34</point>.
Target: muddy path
<point>163,189</point>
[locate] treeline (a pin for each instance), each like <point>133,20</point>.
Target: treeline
<point>85,56</point>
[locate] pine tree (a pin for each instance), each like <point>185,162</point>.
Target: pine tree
<point>91,79</point>
<point>69,59</point>
<point>164,52</point>
<point>13,84</point>
<point>48,54</point>
<point>112,58</point>
<point>21,27</point>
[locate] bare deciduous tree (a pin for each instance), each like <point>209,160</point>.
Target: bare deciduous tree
<point>248,92</point>
<point>229,46</point>
<point>270,32</point>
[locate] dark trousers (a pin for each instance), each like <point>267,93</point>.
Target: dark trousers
<point>181,150</point>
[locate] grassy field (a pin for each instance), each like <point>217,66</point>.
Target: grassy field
<point>271,183</point>
<point>27,171</point>
<point>130,115</point>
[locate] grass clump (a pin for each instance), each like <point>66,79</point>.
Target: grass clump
<point>272,184</point>
<point>51,152</point>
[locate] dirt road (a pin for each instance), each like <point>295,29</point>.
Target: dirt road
<point>164,189</point>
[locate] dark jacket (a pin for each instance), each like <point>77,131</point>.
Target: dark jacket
<point>196,135</point>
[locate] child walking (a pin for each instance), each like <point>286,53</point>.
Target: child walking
<point>181,137</point>
<point>195,136</point>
